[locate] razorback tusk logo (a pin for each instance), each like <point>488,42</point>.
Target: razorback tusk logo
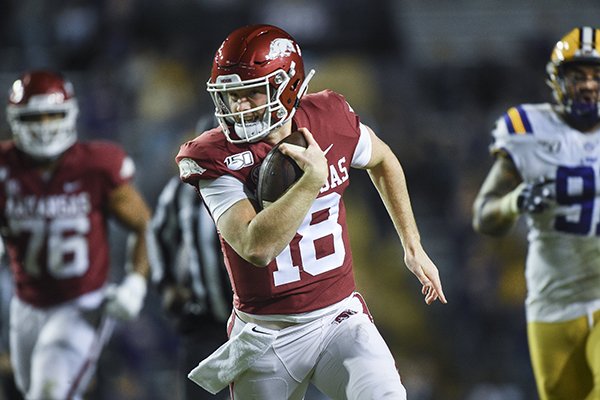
<point>280,48</point>
<point>188,167</point>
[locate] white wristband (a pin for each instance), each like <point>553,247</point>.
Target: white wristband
<point>508,203</point>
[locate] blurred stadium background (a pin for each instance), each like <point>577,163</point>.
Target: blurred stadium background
<point>430,76</point>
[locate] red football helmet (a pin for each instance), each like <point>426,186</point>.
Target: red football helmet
<point>257,56</point>
<point>38,93</point>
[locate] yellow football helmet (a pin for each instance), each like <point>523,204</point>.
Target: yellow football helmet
<point>581,45</point>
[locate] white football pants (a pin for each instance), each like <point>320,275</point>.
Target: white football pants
<point>54,351</point>
<point>342,354</point>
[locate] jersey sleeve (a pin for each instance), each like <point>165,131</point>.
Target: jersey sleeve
<point>204,157</point>
<point>116,166</point>
<point>513,134</point>
<point>357,132</point>
<point>222,193</point>
<point>362,152</point>
<point>189,169</point>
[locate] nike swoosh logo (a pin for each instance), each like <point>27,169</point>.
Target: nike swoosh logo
<point>327,149</point>
<point>257,331</point>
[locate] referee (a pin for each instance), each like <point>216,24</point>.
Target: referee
<point>187,268</point>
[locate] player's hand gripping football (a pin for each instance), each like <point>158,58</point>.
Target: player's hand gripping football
<point>311,160</point>
<point>425,270</point>
<point>125,301</point>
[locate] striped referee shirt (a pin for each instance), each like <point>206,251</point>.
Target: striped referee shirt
<point>184,249</point>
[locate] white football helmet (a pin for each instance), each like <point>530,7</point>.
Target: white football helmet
<point>38,93</point>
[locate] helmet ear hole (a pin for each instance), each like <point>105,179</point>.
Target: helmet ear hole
<point>294,85</point>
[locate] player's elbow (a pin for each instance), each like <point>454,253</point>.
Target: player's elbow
<point>484,227</point>
<point>476,223</point>
<point>477,226</point>
<point>484,222</point>
<point>257,255</point>
<point>255,251</point>
<point>258,259</point>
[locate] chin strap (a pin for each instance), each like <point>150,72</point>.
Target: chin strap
<point>301,92</point>
<point>304,86</point>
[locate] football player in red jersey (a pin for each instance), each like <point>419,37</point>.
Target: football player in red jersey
<point>56,195</point>
<point>297,316</point>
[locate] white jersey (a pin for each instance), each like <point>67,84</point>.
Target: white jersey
<point>563,261</point>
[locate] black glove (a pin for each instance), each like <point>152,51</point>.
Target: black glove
<point>535,197</point>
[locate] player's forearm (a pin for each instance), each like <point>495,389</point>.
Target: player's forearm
<point>260,237</point>
<point>139,255</point>
<point>273,228</point>
<point>388,177</point>
<point>131,210</point>
<point>492,215</point>
<point>126,300</point>
<point>495,208</point>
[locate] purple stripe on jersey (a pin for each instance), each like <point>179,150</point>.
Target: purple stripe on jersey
<point>509,124</point>
<point>524,119</point>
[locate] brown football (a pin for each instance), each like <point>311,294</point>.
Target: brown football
<point>278,172</point>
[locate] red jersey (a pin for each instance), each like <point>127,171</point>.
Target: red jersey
<point>55,229</point>
<point>315,270</point>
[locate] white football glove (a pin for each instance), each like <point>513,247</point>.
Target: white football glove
<point>125,301</point>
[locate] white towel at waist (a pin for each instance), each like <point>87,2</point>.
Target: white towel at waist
<point>234,357</point>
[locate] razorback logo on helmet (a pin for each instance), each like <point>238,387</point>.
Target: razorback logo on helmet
<point>189,167</point>
<point>127,168</point>
<point>281,48</point>
<point>238,161</point>
<point>18,91</point>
